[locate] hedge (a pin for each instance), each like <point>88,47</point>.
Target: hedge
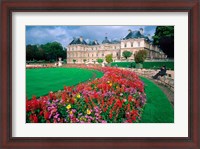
<point>147,65</point>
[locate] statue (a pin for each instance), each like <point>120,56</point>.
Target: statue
<point>59,61</point>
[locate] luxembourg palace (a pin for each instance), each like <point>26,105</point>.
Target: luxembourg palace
<point>81,51</point>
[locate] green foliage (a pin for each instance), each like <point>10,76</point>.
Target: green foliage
<point>74,61</point>
<point>127,54</point>
<point>47,52</point>
<point>84,60</point>
<point>140,56</point>
<point>146,65</point>
<point>109,58</point>
<point>164,38</point>
<point>99,60</point>
<point>62,111</point>
<point>52,61</point>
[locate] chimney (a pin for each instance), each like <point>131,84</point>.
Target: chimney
<point>81,38</point>
<point>129,31</point>
<point>141,31</point>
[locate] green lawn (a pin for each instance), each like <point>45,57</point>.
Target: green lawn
<point>40,81</point>
<point>158,108</point>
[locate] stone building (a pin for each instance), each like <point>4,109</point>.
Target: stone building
<point>84,52</point>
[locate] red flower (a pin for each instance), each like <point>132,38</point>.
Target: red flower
<point>46,115</point>
<point>119,103</point>
<point>110,115</point>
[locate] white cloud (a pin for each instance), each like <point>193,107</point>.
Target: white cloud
<point>65,34</point>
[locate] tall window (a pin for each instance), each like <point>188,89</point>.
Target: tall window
<point>102,54</point>
<point>138,44</point>
<point>97,54</point>
<point>125,45</point>
<point>131,44</point>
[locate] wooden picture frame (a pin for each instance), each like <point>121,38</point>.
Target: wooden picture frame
<point>9,6</point>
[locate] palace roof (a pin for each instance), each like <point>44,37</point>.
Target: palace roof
<point>134,34</point>
<point>78,41</point>
<point>95,42</point>
<point>115,42</point>
<point>105,40</point>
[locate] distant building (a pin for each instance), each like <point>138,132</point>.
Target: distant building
<point>80,50</point>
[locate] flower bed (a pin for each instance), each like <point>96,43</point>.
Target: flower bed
<point>117,97</point>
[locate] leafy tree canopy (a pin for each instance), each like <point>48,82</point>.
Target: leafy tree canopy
<point>99,60</point>
<point>109,58</point>
<point>49,51</point>
<point>140,56</point>
<point>164,38</point>
<point>74,61</point>
<point>127,54</point>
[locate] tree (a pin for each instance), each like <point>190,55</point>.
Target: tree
<point>140,56</point>
<point>127,54</point>
<point>109,58</point>
<point>74,61</point>
<point>31,51</point>
<point>99,60</point>
<point>49,51</point>
<point>84,60</point>
<point>164,38</point>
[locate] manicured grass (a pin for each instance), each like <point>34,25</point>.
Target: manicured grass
<point>146,65</point>
<point>41,81</point>
<point>158,108</point>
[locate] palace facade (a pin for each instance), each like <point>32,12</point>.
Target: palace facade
<point>84,52</point>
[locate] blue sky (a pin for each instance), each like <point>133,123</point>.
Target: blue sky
<point>65,34</point>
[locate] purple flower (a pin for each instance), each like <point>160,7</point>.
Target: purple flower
<point>103,121</point>
<point>73,110</point>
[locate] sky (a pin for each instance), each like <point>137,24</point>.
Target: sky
<point>65,34</point>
